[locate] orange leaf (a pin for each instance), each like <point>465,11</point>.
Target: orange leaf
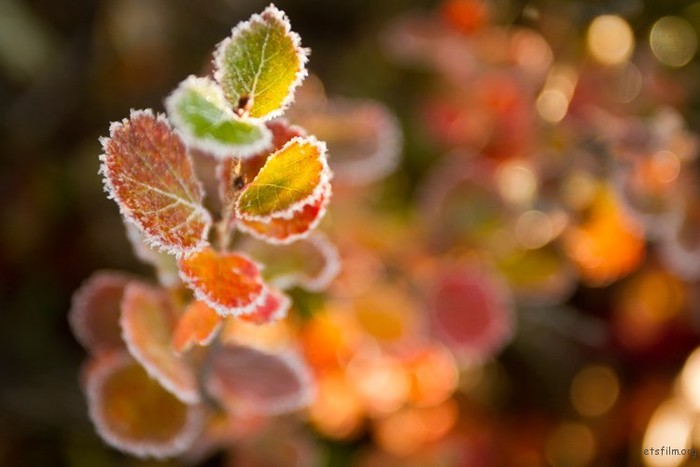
<point>198,325</point>
<point>149,174</point>
<point>95,309</point>
<point>609,245</point>
<point>274,308</point>
<point>230,283</point>
<point>133,413</point>
<point>246,380</point>
<point>147,321</point>
<point>283,230</point>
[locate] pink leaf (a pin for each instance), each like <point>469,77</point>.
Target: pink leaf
<point>274,308</point>
<point>247,380</point>
<point>311,263</point>
<point>148,320</point>
<point>95,309</point>
<point>363,137</point>
<point>471,313</point>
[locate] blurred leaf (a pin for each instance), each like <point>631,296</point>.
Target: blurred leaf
<point>608,245</point>
<point>470,312</point>
<point>311,263</point>
<point>133,413</point>
<point>198,325</point>
<point>95,310</point>
<point>164,264</point>
<point>148,320</point>
<point>246,380</point>
<point>274,308</point>
<point>363,138</point>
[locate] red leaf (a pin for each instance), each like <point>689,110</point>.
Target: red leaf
<point>198,325</point>
<point>274,308</point>
<point>95,309</point>
<point>246,380</point>
<point>230,283</point>
<point>283,230</point>
<point>147,321</point>
<point>149,174</point>
<point>133,413</point>
<point>471,313</point>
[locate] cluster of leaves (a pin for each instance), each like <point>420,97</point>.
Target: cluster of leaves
<point>580,223</point>
<point>167,359</point>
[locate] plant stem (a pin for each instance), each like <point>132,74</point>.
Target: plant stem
<point>229,194</point>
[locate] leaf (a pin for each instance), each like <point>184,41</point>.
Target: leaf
<point>164,264</point>
<point>95,309</point>
<point>608,245</point>
<point>198,325</point>
<point>470,312</point>
<point>292,177</point>
<point>281,230</point>
<point>260,64</point>
<point>247,380</point>
<point>282,132</point>
<point>387,314</point>
<point>199,110</point>
<point>148,172</point>
<point>311,263</point>
<point>273,337</point>
<point>133,413</point>
<point>274,308</point>
<point>230,283</point>
<point>363,137</point>
<point>148,320</point>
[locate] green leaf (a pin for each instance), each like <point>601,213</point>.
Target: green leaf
<point>206,121</point>
<point>293,177</point>
<point>260,64</point>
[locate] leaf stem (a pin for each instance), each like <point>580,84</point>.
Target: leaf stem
<point>229,192</point>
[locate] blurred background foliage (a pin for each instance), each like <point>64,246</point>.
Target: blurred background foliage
<point>67,68</point>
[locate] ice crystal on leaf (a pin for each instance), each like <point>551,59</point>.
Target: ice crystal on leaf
<point>260,65</point>
<point>149,391</point>
<point>149,173</point>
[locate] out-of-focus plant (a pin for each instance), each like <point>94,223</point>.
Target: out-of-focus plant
<point>560,217</point>
<point>176,363</point>
<point>565,197</point>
